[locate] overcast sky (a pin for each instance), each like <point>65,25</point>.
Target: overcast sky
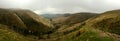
<point>62,6</point>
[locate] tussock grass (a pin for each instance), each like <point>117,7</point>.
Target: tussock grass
<point>87,34</point>
<point>6,35</point>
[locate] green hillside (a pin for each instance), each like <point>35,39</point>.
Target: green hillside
<point>9,35</point>
<point>25,25</point>
<point>108,21</point>
<point>104,27</point>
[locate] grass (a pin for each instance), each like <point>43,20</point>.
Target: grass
<point>6,35</point>
<point>108,21</point>
<point>99,28</point>
<point>87,34</point>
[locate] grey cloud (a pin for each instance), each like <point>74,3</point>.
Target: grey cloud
<point>63,6</point>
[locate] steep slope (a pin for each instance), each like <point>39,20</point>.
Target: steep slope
<point>87,34</point>
<point>9,18</point>
<point>108,21</point>
<point>104,27</point>
<point>33,21</point>
<point>83,33</point>
<point>25,21</point>
<point>72,22</point>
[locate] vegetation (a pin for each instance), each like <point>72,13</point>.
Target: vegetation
<point>104,27</point>
<point>108,21</point>
<point>74,18</point>
<point>24,22</point>
<point>9,35</point>
<point>25,25</point>
<point>88,34</point>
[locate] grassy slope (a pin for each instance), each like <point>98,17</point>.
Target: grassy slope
<point>100,28</point>
<point>83,33</point>
<point>9,35</point>
<point>108,21</point>
<point>33,20</point>
<point>74,18</point>
<point>72,22</point>
<point>78,18</point>
<point>7,17</point>
<point>6,35</point>
<point>87,34</point>
<point>16,19</point>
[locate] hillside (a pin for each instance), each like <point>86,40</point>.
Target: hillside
<point>72,21</point>
<point>104,27</point>
<point>31,20</point>
<point>9,35</point>
<point>24,22</point>
<point>108,21</point>
<point>8,17</point>
<point>25,25</point>
<point>73,18</point>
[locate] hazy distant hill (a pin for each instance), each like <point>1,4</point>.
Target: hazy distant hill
<point>50,16</point>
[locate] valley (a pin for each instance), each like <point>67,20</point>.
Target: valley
<point>25,25</point>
